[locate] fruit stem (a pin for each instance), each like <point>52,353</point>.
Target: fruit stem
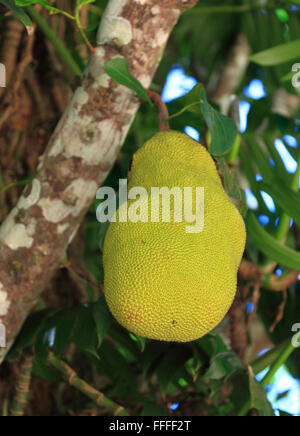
<point>163,113</point>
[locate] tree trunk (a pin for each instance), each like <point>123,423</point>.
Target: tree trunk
<point>81,152</point>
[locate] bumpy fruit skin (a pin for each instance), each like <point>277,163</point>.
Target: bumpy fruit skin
<point>161,282</point>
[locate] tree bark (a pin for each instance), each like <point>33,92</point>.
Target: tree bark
<point>81,152</point>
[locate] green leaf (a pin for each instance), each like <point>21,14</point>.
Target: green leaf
<point>139,340</point>
<point>18,11</point>
<point>282,15</point>
<point>223,366</point>
<point>232,186</point>
<point>45,371</point>
<point>271,247</point>
<point>24,3</point>
<point>29,332</point>
<point>55,335</point>
<point>45,3</point>
<point>261,158</point>
<point>116,367</point>
<point>81,3</point>
<point>258,398</point>
<point>44,342</point>
<point>288,77</point>
<point>279,168</point>
<point>286,198</point>
<point>248,394</point>
<point>118,69</point>
<point>278,55</point>
<point>267,359</point>
<point>102,317</point>
<point>153,410</point>
<point>64,323</point>
<point>85,335</point>
<point>222,129</point>
<point>175,358</point>
<point>211,344</point>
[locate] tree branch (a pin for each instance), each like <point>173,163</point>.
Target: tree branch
<point>81,152</point>
<point>251,272</point>
<point>72,378</point>
<point>22,388</point>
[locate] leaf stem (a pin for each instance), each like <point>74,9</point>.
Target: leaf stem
<point>81,30</point>
<point>281,359</point>
<point>63,52</point>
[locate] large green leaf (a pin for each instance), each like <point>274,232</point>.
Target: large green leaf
<point>64,323</point>
<point>102,317</point>
<point>85,335</point>
<point>18,11</point>
<point>44,371</point>
<point>223,130</point>
<point>118,69</point>
<point>267,359</point>
<point>260,157</point>
<point>151,409</point>
<point>278,55</point>
<point>30,330</point>
<point>271,247</point>
<point>258,398</point>
<point>286,198</point>
<point>45,3</point>
<point>56,332</point>
<point>223,366</point>
<point>249,395</point>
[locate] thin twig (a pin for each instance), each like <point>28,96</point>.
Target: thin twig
<point>85,38</point>
<point>78,272</point>
<point>81,30</point>
<point>280,312</point>
<point>27,59</point>
<point>72,378</point>
<point>255,301</point>
<point>272,282</point>
<point>60,47</point>
<point>22,388</point>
